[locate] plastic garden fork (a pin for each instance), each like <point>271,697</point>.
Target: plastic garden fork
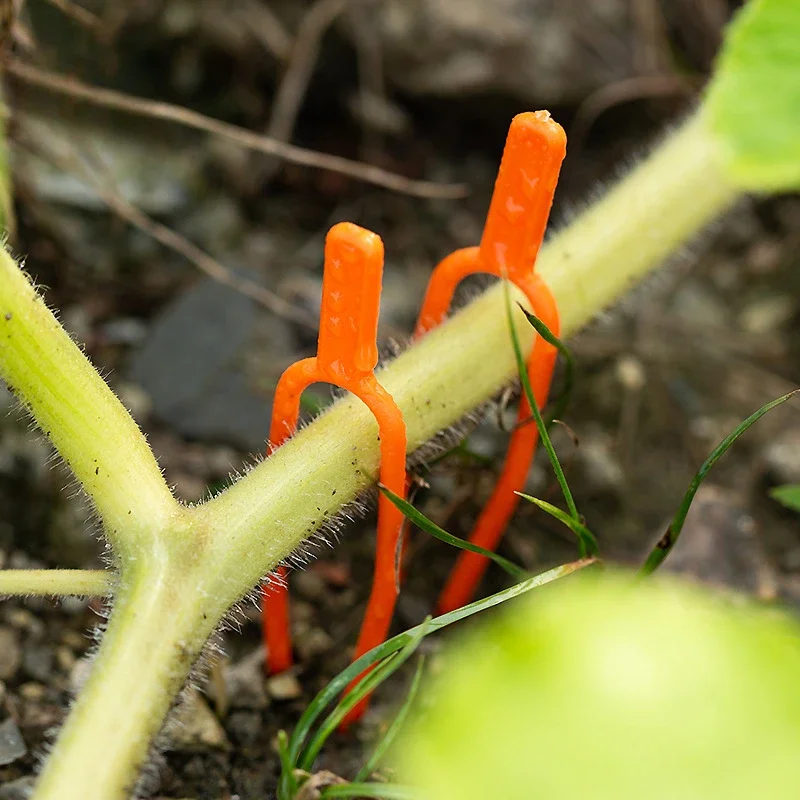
<point>347,354</point>
<point>512,236</point>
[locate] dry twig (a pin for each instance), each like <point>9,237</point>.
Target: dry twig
<point>109,98</point>
<point>72,162</point>
<point>302,60</point>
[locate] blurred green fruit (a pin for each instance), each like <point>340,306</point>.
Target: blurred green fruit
<point>603,687</point>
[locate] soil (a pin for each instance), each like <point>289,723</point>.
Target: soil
<point>662,377</point>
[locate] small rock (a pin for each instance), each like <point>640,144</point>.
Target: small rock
<point>194,726</point>
<point>782,457</point>
<point>65,659</point>
<point>245,727</point>
<point>10,654</point>
<point>189,367</point>
<point>23,620</point>
<point>764,256</point>
<point>767,314</point>
<point>20,789</point>
<point>531,49</point>
<point>312,642</point>
<point>33,692</point>
<point>720,545</point>
<point>599,461</point>
<point>245,682</point>
<point>37,662</point>
<point>284,686</point>
<point>699,307</point>
<point>12,745</point>
<point>308,584</point>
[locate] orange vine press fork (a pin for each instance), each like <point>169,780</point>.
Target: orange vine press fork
<point>512,236</point>
<point>347,354</point>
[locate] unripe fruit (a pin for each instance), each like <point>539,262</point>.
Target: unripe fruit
<point>606,687</point>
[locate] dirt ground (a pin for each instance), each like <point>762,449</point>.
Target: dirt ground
<point>661,379</point>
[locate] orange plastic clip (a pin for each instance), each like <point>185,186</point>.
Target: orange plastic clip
<point>512,236</point>
<point>347,354</point>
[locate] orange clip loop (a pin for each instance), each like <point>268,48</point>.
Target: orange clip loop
<point>347,354</point>
<point>512,236</point>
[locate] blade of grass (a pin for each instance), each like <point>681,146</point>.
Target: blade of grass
<point>365,686</point>
<point>522,369</point>
<point>586,539</point>
<point>288,787</point>
<point>430,527</point>
<point>667,541</point>
<point>389,791</point>
<point>561,404</point>
<point>397,723</point>
<point>328,694</point>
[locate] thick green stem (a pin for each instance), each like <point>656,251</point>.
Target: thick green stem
<point>659,206</point>
<point>182,568</point>
<point>79,413</point>
<point>154,636</point>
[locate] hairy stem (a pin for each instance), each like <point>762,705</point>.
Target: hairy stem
<point>154,636</point>
<point>73,405</point>
<point>182,568</point>
<point>660,205</point>
<point>56,582</point>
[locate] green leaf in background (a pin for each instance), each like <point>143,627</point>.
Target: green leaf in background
<point>788,496</point>
<point>753,101</point>
<point>605,686</point>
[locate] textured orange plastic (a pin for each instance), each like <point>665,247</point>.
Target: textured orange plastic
<point>347,354</point>
<point>513,233</point>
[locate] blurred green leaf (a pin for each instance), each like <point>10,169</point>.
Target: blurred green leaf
<point>788,496</point>
<point>753,101</point>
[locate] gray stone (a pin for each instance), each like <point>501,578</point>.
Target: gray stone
<point>190,368</point>
<point>193,726</point>
<point>782,457</point>
<point>12,745</point>
<point>10,654</point>
<point>38,661</point>
<point>533,49</point>
<point>245,683</point>
<point>720,545</point>
<point>20,789</point>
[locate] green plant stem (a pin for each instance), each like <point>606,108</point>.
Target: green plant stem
<point>182,568</point>
<point>56,582</point>
<point>76,409</point>
<point>663,203</point>
<point>154,636</point>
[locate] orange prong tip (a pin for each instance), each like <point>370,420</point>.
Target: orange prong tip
<point>523,195</point>
<point>351,293</point>
<point>516,220</point>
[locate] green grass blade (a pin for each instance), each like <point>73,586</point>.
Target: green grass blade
<point>397,723</point>
<point>365,685</point>
<point>328,694</point>
<point>389,791</point>
<point>287,787</point>
<point>423,523</point>
<point>667,541</point>
<point>537,415</point>
<point>586,539</point>
<point>561,404</point>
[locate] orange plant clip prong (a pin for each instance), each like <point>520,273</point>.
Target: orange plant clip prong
<point>347,355</point>
<point>513,233</point>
